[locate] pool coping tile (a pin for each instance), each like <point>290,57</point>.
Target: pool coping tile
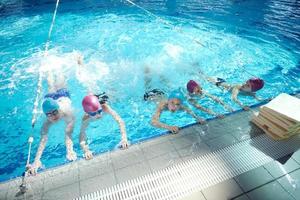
<point>222,191</point>
<point>276,169</point>
<point>253,178</point>
<point>269,191</point>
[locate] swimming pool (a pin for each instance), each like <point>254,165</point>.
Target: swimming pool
<point>237,38</point>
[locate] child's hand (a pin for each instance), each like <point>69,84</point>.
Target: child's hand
<point>88,155</point>
<point>173,129</point>
<point>229,109</point>
<point>246,108</point>
<point>71,155</point>
<point>124,144</point>
<point>201,121</point>
<point>32,169</point>
<point>220,116</point>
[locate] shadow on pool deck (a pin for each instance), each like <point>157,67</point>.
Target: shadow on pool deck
<point>83,177</point>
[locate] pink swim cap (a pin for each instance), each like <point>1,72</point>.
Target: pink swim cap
<point>190,86</point>
<point>90,103</point>
<point>256,84</point>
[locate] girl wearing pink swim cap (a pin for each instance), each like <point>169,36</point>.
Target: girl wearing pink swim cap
<point>248,88</point>
<point>195,92</point>
<point>94,107</point>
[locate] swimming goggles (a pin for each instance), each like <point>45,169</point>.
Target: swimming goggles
<point>93,114</point>
<point>52,113</point>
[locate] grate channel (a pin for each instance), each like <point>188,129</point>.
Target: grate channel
<point>196,174</point>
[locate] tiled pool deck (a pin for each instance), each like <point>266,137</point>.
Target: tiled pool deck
<point>83,177</point>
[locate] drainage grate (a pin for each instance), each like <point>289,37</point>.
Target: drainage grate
<point>182,179</point>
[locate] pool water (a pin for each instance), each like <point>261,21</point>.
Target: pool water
<point>229,39</point>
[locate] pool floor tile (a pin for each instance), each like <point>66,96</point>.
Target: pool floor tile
<point>66,192</point>
<point>296,156</point>
<point>61,177</point>
<point>158,149</point>
<point>185,141</point>
<point>206,133</point>
<point>253,178</point>
<point>158,140</point>
<point>132,171</point>
<point>223,191</point>
<point>185,131</point>
<point>243,197</point>
<point>291,183</point>
<point>270,191</point>
<point>3,194</point>
<point>195,150</point>
<point>276,169</point>
<point>4,187</point>
<point>127,158</point>
<point>95,169</point>
<point>221,142</point>
<point>97,183</point>
<point>33,192</point>
<point>194,196</point>
<point>30,195</point>
<point>164,161</point>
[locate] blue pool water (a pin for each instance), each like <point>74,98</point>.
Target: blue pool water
<point>118,41</point>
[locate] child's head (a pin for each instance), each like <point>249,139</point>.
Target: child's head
<point>91,106</point>
<point>51,109</point>
<point>253,85</point>
<point>193,87</point>
<point>175,99</point>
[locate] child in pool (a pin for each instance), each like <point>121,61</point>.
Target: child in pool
<point>94,107</point>
<point>248,88</point>
<point>195,92</point>
<point>56,106</point>
<point>174,102</point>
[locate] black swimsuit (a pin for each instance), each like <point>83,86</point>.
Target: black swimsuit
<point>103,98</point>
<point>152,93</point>
<point>219,81</point>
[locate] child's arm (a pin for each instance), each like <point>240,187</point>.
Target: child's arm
<point>44,138</point>
<point>235,92</point>
<point>216,99</point>
<point>257,98</point>
<point>82,138</point>
<point>71,155</point>
<point>189,111</point>
<point>198,106</point>
<point>155,119</point>
<point>116,116</point>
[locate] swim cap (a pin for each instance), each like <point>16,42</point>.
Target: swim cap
<point>256,84</point>
<point>49,105</point>
<point>90,103</point>
<point>190,86</point>
<point>177,94</point>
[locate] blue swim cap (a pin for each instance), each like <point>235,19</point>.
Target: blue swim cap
<point>177,94</point>
<point>49,105</point>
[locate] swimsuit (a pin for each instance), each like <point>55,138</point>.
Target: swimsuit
<point>153,93</point>
<point>219,81</point>
<point>103,98</point>
<point>58,94</point>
